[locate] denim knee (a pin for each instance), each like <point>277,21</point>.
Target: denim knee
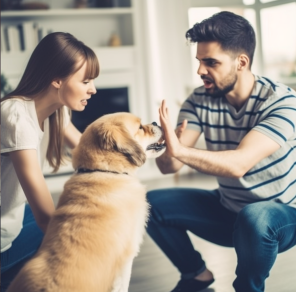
<point>152,196</point>
<point>153,200</point>
<point>256,218</point>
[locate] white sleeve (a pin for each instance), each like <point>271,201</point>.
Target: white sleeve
<point>18,129</point>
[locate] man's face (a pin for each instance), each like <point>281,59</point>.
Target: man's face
<point>217,68</point>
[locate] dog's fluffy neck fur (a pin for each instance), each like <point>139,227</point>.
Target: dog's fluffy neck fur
<point>102,161</point>
<point>84,170</point>
<point>98,149</point>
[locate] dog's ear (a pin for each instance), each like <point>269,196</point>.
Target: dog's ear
<point>117,138</point>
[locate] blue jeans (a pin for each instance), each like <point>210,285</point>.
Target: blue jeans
<point>22,249</point>
<point>258,232</point>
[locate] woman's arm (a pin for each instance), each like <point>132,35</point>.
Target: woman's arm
<point>71,135</point>
<point>31,178</point>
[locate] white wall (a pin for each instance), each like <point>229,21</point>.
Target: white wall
<point>166,53</point>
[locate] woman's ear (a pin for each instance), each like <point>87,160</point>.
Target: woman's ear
<point>56,83</point>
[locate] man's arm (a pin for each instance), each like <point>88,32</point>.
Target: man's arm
<point>230,163</point>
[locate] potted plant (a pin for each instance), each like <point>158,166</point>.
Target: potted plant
<point>5,87</point>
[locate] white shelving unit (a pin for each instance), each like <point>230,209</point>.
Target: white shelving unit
<point>120,66</point>
<point>93,26</point>
<point>65,12</point>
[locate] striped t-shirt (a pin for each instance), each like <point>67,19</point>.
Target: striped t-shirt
<point>271,110</point>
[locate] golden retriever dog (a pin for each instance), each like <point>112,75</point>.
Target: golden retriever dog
<point>97,228</point>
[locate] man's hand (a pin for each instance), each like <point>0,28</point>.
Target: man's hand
<point>172,137</point>
<point>179,131</point>
<point>175,140</point>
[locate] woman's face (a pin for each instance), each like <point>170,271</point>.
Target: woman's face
<point>75,91</point>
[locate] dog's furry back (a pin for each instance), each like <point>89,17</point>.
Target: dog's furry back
<point>100,218</point>
<point>113,210</point>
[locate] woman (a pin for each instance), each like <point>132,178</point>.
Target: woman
<point>35,124</point>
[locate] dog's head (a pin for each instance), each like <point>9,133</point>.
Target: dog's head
<point>118,138</point>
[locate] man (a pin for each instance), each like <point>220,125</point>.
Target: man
<point>249,123</point>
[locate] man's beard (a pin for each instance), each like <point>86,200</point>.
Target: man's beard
<point>227,86</point>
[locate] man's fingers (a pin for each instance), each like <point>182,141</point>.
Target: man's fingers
<point>184,125</point>
<point>179,130</point>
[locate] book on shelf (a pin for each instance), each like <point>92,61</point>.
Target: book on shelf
<point>40,33</point>
<point>14,38</point>
<point>4,44</point>
<point>30,35</point>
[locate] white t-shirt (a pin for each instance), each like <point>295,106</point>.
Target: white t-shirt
<point>19,130</point>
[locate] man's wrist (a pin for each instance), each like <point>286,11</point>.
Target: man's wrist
<point>179,152</point>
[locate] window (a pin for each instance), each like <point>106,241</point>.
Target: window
<point>274,23</point>
<point>249,2</point>
<point>278,26</point>
<point>266,1</point>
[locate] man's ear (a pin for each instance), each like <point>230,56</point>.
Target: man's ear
<point>56,83</point>
<point>243,62</point>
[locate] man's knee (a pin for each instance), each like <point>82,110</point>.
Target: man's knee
<point>159,199</point>
<point>152,197</point>
<point>256,218</point>
<point>156,200</point>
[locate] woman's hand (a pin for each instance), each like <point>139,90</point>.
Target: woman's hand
<point>172,137</point>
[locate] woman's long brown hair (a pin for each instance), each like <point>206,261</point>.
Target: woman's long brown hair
<point>55,57</point>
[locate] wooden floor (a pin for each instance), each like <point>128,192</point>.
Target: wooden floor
<point>153,272</point>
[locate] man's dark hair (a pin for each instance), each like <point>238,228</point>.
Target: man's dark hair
<point>233,32</point>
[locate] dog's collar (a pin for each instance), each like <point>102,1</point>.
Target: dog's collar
<point>85,170</point>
